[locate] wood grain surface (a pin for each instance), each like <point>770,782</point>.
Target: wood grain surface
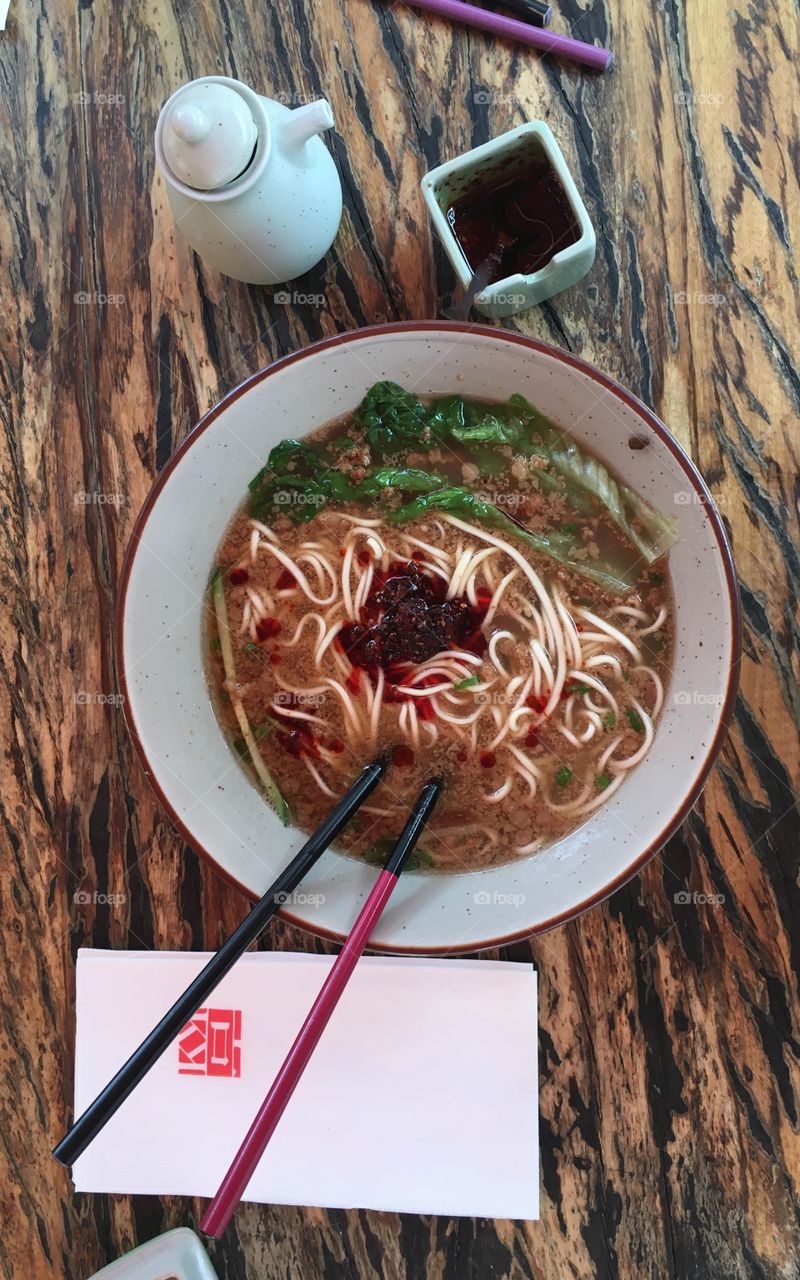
<point>670,1035</point>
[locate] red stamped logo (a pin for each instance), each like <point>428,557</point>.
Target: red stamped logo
<point>210,1045</point>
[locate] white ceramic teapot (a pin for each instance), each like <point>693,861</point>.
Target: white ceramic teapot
<point>252,186</point>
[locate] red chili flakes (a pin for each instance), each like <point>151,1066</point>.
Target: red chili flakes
<point>237,576</point>
<point>536,702</point>
<point>396,671</point>
<point>401,568</point>
<point>286,581</point>
<point>296,736</point>
<point>353,681</point>
<point>268,628</point>
<point>336,745</point>
<point>364,558</point>
<point>462,757</point>
<point>427,681</point>
<point>297,743</point>
<point>570,686</point>
<point>488,759</point>
<point>403,757</point>
<point>475,643</point>
<point>275,658</point>
<point>532,738</point>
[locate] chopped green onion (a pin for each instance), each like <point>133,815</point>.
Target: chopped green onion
<point>215,645</point>
<point>251,648</point>
<point>563,776</point>
<point>610,720</point>
<point>571,529</point>
<point>468,683</point>
<point>602,781</point>
<point>635,721</point>
<point>579,688</point>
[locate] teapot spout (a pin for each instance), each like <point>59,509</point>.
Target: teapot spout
<point>305,122</point>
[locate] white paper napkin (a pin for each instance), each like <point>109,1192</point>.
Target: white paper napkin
<point>421,1096</point>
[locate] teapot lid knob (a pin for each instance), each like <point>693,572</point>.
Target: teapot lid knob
<point>209,135</point>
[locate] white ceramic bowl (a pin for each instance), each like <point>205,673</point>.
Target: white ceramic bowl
<point>170,558</point>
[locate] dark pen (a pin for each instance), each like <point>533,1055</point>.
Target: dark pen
<point>534,11</point>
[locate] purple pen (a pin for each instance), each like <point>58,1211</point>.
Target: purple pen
<point>589,55</point>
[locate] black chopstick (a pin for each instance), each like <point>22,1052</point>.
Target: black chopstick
<point>99,1112</point>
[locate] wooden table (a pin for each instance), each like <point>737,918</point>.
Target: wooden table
<point>669,1032</point>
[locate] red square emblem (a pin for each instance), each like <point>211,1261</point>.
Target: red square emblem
<point>210,1045</point>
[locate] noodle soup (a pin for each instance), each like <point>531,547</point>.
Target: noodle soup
<point>454,584</point>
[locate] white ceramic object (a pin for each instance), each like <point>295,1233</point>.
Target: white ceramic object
<point>210,798</point>
<point>177,1255</point>
<point>448,181</point>
<point>251,184</point>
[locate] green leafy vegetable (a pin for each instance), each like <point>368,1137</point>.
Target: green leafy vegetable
<point>468,683</point>
<point>587,474</point>
<point>610,720</point>
<point>469,506</point>
<point>563,776</point>
<point>446,415</point>
<point>299,478</point>
<point>392,416</point>
<point>490,428</point>
<point>409,479</point>
<point>602,781</point>
<point>623,506</point>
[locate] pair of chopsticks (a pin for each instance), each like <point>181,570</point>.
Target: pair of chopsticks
<point>109,1100</point>
<point>234,1184</point>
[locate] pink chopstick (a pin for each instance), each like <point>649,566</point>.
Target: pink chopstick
<point>234,1184</point>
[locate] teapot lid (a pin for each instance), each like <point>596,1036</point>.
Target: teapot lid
<point>209,135</point>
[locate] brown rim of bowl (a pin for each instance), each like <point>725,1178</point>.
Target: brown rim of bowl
<point>685,462</point>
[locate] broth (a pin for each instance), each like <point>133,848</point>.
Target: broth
<point>456,585</point>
